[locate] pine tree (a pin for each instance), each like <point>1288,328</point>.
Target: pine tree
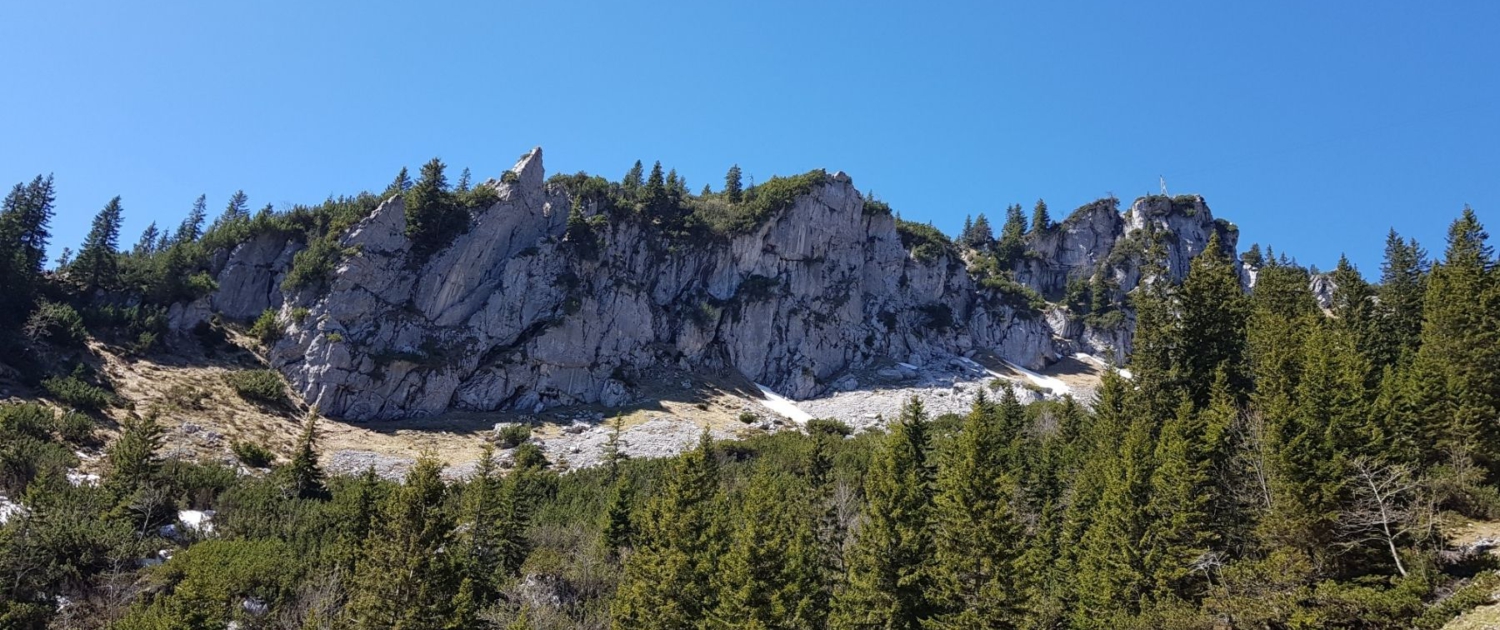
<point>192,226</point>
<point>25,217</point>
<point>98,266</point>
<point>1041,221</point>
<point>983,235</point>
<point>1403,287</point>
<point>433,214</point>
<point>1355,309</point>
<point>401,578</point>
<point>237,209</point>
<point>1252,257</point>
<point>634,178</point>
<point>656,191</point>
<point>1012,236</point>
<point>131,461</point>
<point>1212,327</point>
<point>481,519</point>
<point>400,185</point>
<point>146,245</point>
<point>768,577</point>
<point>666,583</point>
<point>889,580</point>
<point>1181,492</point>
<point>463,181</point>
<point>303,474</point>
<point>1458,355</point>
<point>976,538</point>
<point>734,189</point>
<point>619,526</point>
<point>1112,578</point>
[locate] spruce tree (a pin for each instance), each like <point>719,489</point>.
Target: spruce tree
<point>1041,221</point>
<point>400,185</point>
<point>976,539</point>
<point>1181,492</point>
<point>25,217</point>
<point>1252,257</point>
<point>1212,326</point>
<point>1012,236</point>
<point>402,578</point>
<point>433,214</point>
<point>768,577</point>
<point>655,192</point>
<point>479,547</point>
<point>1458,355</point>
<point>463,181</point>
<point>303,474</point>
<point>667,581</point>
<point>1355,308</point>
<point>983,235</point>
<point>619,526</point>
<point>1112,579</point>
<point>146,245</point>
<point>237,209</point>
<point>734,189</point>
<point>192,226</point>
<point>889,582</point>
<point>97,266</point>
<point>634,178</point>
<point>1403,287</point>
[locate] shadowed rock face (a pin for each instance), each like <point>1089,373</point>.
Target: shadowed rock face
<point>511,316</point>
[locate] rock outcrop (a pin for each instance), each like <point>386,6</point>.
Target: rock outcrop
<point>514,314</point>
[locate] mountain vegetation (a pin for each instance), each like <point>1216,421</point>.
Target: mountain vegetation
<point>1266,463</point>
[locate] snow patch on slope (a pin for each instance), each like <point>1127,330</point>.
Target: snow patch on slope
<point>782,405</point>
<point>1051,384</point>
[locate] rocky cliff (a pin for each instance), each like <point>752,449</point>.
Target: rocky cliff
<point>512,315</point>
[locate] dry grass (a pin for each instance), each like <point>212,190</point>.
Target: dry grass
<point>1481,618</point>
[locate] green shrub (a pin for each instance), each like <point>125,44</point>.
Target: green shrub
<point>1015,294</point>
<point>77,393</point>
<point>75,428</point>
<point>314,265</point>
<point>748,417</point>
<point>58,324</point>
<point>828,426</point>
<point>761,201</point>
<point>513,435</point>
<point>876,207</point>
<point>260,386</point>
<point>925,242</point>
<point>300,313</point>
<point>252,454</point>
<point>266,329</point>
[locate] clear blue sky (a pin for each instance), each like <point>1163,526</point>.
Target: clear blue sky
<point>1313,125</point>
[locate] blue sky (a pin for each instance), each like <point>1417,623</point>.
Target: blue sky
<point>1314,126</point>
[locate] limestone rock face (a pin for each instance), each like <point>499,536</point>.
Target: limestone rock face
<point>515,314</point>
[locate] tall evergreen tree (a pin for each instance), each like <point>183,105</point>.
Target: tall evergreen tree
<point>1041,221</point>
<point>25,218</point>
<point>402,577</point>
<point>768,577</point>
<point>1355,309</point>
<point>667,581</point>
<point>146,245</point>
<point>463,181</point>
<point>634,179</point>
<point>734,189</point>
<point>1403,287</point>
<point>1458,362</point>
<point>976,537</point>
<point>889,581</point>
<point>1112,578</point>
<point>619,523</point>
<point>433,214</point>
<point>1253,257</point>
<point>1181,491</point>
<point>97,266</point>
<point>1012,235</point>
<point>237,209</point>
<point>1213,314</point>
<point>303,474</point>
<point>401,184</point>
<point>192,226</point>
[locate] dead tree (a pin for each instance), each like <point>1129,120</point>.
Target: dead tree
<point>1384,506</point>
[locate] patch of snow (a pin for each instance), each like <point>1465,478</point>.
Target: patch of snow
<point>82,479</point>
<point>8,509</point>
<point>784,406</point>
<point>198,521</point>
<point>1051,384</point>
<point>1089,358</point>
